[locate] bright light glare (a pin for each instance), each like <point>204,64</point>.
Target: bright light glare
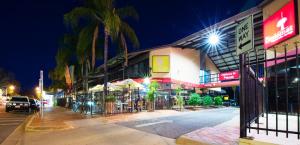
<point>295,80</point>
<point>90,103</point>
<point>12,87</point>
<point>147,81</point>
<point>214,39</point>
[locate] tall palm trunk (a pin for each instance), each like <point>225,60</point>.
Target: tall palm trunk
<point>95,37</point>
<point>125,55</point>
<point>105,62</point>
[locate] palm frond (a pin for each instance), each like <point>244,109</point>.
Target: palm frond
<point>127,12</point>
<point>112,22</point>
<point>73,17</point>
<point>130,33</point>
<point>85,41</point>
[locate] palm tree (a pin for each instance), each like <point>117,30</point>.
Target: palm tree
<point>126,30</point>
<point>103,13</point>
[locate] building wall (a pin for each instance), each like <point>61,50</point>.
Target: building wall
<point>269,10</point>
<point>184,64</point>
<point>163,51</point>
<point>211,66</point>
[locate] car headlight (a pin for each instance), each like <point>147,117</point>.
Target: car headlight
<point>26,104</point>
<point>14,104</point>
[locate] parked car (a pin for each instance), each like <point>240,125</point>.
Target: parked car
<point>34,104</point>
<point>18,103</point>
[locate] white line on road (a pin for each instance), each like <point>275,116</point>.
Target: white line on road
<point>13,118</point>
<point>7,120</point>
<point>7,124</point>
<point>153,123</point>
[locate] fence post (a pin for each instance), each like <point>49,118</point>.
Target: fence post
<point>243,132</point>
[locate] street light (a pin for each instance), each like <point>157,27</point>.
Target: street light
<point>38,91</point>
<point>10,89</point>
<point>213,39</point>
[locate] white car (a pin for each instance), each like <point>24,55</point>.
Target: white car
<point>18,103</point>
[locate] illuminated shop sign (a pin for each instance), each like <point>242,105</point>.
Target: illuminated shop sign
<point>280,26</point>
<point>232,75</point>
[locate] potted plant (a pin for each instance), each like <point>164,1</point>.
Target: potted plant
<point>110,104</point>
<point>151,95</point>
<point>207,101</point>
<point>179,99</point>
<point>195,99</point>
<point>218,100</point>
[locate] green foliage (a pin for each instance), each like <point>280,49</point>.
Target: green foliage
<point>153,86</point>
<point>178,91</point>
<point>195,99</point>
<point>110,98</point>
<point>179,98</point>
<point>151,94</point>
<point>218,100</point>
<point>93,15</point>
<point>207,100</point>
<point>180,101</point>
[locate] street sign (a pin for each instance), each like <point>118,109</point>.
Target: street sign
<point>244,36</point>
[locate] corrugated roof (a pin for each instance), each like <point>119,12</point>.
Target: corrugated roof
<point>224,56</point>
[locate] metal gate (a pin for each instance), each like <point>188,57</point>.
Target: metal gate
<point>270,97</point>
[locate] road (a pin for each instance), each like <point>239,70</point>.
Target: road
<point>9,122</point>
<point>175,126</point>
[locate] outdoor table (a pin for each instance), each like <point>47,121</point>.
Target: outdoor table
<point>122,104</point>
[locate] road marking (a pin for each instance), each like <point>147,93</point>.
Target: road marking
<point>14,120</point>
<point>4,118</point>
<point>7,124</point>
<point>154,123</point>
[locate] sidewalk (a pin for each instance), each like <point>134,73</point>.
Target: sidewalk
<point>226,134</point>
<point>53,119</point>
<point>139,116</point>
<point>78,130</point>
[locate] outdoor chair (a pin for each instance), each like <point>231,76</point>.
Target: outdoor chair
<point>129,106</point>
<point>140,106</point>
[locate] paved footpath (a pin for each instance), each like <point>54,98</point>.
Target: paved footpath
<point>93,131</point>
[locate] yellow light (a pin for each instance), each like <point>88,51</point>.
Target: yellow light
<point>37,90</point>
<point>12,87</point>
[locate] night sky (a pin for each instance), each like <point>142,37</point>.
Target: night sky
<point>30,29</point>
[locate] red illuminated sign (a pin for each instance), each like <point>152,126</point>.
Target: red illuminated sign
<point>232,75</point>
<point>280,26</point>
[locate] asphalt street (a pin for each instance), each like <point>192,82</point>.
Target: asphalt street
<point>175,126</point>
<point>9,122</point>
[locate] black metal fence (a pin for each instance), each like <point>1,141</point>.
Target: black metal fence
<point>271,97</point>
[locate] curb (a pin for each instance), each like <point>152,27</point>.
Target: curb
<point>246,141</point>
<point>184,140</point>
<point>30,128</point>
<point>29,122</point>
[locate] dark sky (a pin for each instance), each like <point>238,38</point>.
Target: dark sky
<point>30,29</point>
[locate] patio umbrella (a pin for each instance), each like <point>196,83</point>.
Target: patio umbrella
<point>113,87</point>
<point>127,82</point>
<point>96,88</point>
<point>110,86</point>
